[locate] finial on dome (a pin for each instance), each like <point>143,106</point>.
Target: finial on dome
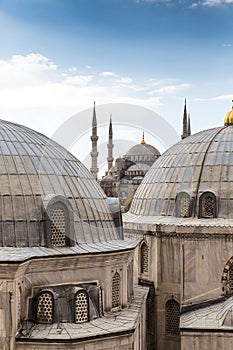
<point>228,120</point>
<point>143,142</point>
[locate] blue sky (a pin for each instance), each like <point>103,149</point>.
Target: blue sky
<point>57,56</point>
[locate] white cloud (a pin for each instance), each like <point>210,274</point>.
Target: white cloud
<point>32,69</point>
<point>78,79</point>
<point>211,3</point>
<point>170,89</point>
<point>124,80</point>
<point>108,74</point>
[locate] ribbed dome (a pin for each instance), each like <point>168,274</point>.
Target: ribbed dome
<point>35,170</point>
<point>199,163</point>
<point>142,149</point>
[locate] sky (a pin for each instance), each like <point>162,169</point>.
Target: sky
<point>58,56</point>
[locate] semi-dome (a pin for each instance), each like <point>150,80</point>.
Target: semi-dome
<point>44,191</point>
<point>193,178</point>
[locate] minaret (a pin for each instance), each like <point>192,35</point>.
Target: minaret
<point>110,145</point>
<point>189,125</point>
<point>185,122</point>
<point>94,138</point>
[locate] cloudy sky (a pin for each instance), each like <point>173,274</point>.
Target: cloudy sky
<point>57,56</point>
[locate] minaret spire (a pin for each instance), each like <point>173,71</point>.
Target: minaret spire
<point>110,145</point>
<point>143,142</point>
<point>185,122</point>
<point>94,138</point>
<point>189,125</point>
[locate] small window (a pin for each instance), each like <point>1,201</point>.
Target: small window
<point>82,307</point>
<point>144,257</point>
<point>207,205</point>
<point>172,319</point>
<point>58,226</point>
<point>45,308</point>
<point>116,290</point>
<point>183,205</point>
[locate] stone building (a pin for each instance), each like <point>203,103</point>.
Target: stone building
<point>183,215</point>
<point>66,273</point>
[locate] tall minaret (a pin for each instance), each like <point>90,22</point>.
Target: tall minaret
<point>110,145</point>
<point>94,138</point>
<point>185,123</point>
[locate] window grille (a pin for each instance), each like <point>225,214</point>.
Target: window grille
<point>82,307</point>
<point>116,290</point>
<point>144,257</point>
<point>172,318</point>
<point>183,205</point>
<point>58,227</point>
<point>208,205</point>
<point>230,279</point>
<point>45,308</point>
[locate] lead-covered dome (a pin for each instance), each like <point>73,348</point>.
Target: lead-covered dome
<point>45,191</point>
<point>193,178</point>
<point>142,152</point>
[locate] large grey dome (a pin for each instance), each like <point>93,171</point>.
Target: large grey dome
<point>199,164</point>
<point>35,171</point>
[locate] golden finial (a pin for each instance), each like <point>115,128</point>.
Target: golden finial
<point>228,120</point>
<point>143,142</point>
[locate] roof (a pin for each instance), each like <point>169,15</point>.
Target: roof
<point>33,169</point>
<point>217,316</point>
<point>199,163</point>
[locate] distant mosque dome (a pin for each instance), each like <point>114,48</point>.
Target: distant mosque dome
<point>193,178</point>
<point>142,152</point>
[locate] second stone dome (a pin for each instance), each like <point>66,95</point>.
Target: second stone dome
<point>198,169</point>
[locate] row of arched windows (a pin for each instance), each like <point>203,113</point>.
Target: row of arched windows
<point>45,307</point>
<point>45,303</point>
<point>207,205</point>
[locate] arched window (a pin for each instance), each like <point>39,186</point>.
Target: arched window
<point>116,290</point>
<point>144,257</point>
<point>172,317</point>
<point>45,306</point>
<point>82,307</point>
<point>183,205</point>
<point>207,205</point>
<point>58,219</point>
